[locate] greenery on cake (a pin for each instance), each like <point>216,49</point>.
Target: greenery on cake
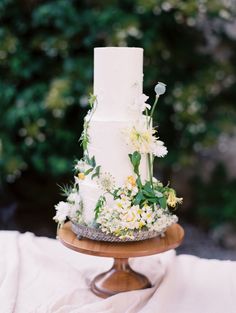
<point>137,205</point>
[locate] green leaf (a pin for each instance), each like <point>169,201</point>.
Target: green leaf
<point>93,162</point>
<point>92,99</point>
<point>97,172</point>
<point>88,171</point>
<point>135,159</point>
<point>148,190</point>
<point>158,194</point>
<point>84,138</point>
<point>100,203</point>
<point>152,200</point>
<point>162,202</point>
<point>90,161</point>
<point>139,183</point>
<point>149,194</point>
<point>115,193</point>
<point>65,190</point>
<point>139,197</point>
<point>148,187</point>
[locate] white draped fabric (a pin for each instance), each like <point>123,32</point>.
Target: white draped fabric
<point>39,275</point>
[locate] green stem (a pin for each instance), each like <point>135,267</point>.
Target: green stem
<point>86,127</point>
<point>150,169</point>
<point>152,111</point>
<point>147,116</point>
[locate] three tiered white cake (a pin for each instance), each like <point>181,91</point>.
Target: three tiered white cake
<point>118,81</point>
<point>114,189</point>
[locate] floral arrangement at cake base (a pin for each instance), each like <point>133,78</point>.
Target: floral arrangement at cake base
<point>139,208</point>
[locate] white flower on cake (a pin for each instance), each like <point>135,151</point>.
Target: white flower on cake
<point>139,104</point>
<point>142,138</point>
<point>123,221</point>
<point>130,185</point>
<point>74,197</point>
<point>81,166</point>
<point>123,203</point>
<point>159,149</point>
<point>106,181</point>
<point>75,211</point>
<point>172,200</point>
<point>70,209</point>
<point>147,214</point>
<point>62,212</point>
<point>81,176</point>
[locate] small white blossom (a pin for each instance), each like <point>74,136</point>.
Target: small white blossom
<point>77,181</point>
<point>71,209</point>
<point>82,166</point>
<point>139,104</point>
<point>74,197</point>
<point>134,191</point>
<point>159,149</point>
<point>75,210</point>
<point>62,212</point>
<point>160,89</point>
<point>106,181</point>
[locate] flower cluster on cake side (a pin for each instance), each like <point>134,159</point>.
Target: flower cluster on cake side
<point>136,205</point>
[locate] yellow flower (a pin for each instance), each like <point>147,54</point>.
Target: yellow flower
<point>81,176</point>
<point>172,200</point>
<point>131,180</point>
<point>140,211</point>
<point>141,224</point>
<point>119,204</point>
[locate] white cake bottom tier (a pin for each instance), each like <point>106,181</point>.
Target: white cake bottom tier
<point>90,193</point>
<point>108,145</point>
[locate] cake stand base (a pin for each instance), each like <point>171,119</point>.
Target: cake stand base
<point>119,278</point>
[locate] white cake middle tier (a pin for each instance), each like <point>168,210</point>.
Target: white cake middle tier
<point>108,146</point>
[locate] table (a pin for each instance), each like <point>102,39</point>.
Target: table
<point>120,277</point>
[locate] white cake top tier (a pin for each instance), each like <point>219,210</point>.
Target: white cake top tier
<point>118,81</point>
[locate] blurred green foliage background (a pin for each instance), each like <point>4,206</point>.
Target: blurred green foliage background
<point>46,63</point>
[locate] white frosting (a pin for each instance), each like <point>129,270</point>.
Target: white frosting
<point>89,193</point>
<point>118,75</point>
<point>118,80</point>
<point>108,145</point>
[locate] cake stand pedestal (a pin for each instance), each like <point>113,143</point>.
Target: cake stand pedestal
<point>120,277</point>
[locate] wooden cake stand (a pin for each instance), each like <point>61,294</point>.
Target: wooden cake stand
<point>120,277</point>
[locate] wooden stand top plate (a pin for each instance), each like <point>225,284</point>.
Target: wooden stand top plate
<point>172,239</point>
